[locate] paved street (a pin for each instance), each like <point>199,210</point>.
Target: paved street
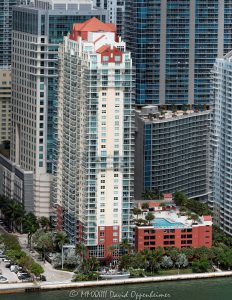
<point>51,274</point>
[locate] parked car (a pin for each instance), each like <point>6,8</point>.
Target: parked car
<point>21,275</point>
<point>7,265</point>
<point>6,260</point>
<point>43,278</point>
<point>24,277</point>
<point>13,268</point>
<point>3,279</point>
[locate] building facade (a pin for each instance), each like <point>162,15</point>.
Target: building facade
<point>96,154</point>
<point>172,152</point>
<point>196,236</point>
<point>116,9</point>
<point>174,45</point>
<point>5,31</point>
<point>34,85</point>
<point>16,183</point>
<point>221,134</point>
<point>5,104</point>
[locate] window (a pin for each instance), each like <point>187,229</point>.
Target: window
<point>105,58</point>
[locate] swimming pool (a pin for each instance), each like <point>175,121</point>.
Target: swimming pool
<point>160,222</point>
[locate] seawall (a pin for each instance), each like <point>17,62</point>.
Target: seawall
<point>47,286</point>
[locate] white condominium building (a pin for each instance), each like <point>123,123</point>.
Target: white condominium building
<point>95,137</point>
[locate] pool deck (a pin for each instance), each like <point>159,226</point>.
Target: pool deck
<point>47,286</point>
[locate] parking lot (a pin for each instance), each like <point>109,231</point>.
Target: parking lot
<point>11,276</point>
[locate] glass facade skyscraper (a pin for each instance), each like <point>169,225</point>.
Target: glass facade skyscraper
<point>221,137</point>
<point>174,46</point>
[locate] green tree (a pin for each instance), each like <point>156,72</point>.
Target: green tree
<point>150,217</point>
<point>125,262</point>
<point>43,242</point>
<point>182,261</point>
<point>200,266</point>
<point>30,226</point>
<point>189,252</point>
<point>173,253</point>
<point>166,262</point>
<point>36,269</point>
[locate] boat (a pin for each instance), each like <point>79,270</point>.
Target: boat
<point>114,275</point>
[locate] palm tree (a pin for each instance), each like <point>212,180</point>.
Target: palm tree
<point>150,217</point>
<point>4,201</point>
<point>44,223</point>
<point>61,238</point>
<point>137,211</point>
<point>30,226</point>
<point>81,250</point>
<point>145,205</point>
<point>125,245</point>
<point>14,212</point>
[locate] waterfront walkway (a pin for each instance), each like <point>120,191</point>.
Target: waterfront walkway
<point>45,286</point>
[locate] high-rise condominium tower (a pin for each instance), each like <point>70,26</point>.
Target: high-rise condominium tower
<point>172,152</point>
<point>95,159</point>
<point>221,137</point>
<point>174,45</point>
<point>34,84</point>
<point>116,9</point>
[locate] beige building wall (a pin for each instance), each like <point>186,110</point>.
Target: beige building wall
<point>5,104</point>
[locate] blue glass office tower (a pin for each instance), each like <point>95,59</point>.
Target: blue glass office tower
<point>174,44</point>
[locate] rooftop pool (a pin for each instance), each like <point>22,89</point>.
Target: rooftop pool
<point>160,223</point>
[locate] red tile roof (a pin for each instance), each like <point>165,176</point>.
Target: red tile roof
<point>167,195</point>
<point>94,25</point>
<point>207,218</point>
<point>154,204</point>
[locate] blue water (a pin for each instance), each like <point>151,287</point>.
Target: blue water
<point>160,222</point>
<point>205,289</point>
